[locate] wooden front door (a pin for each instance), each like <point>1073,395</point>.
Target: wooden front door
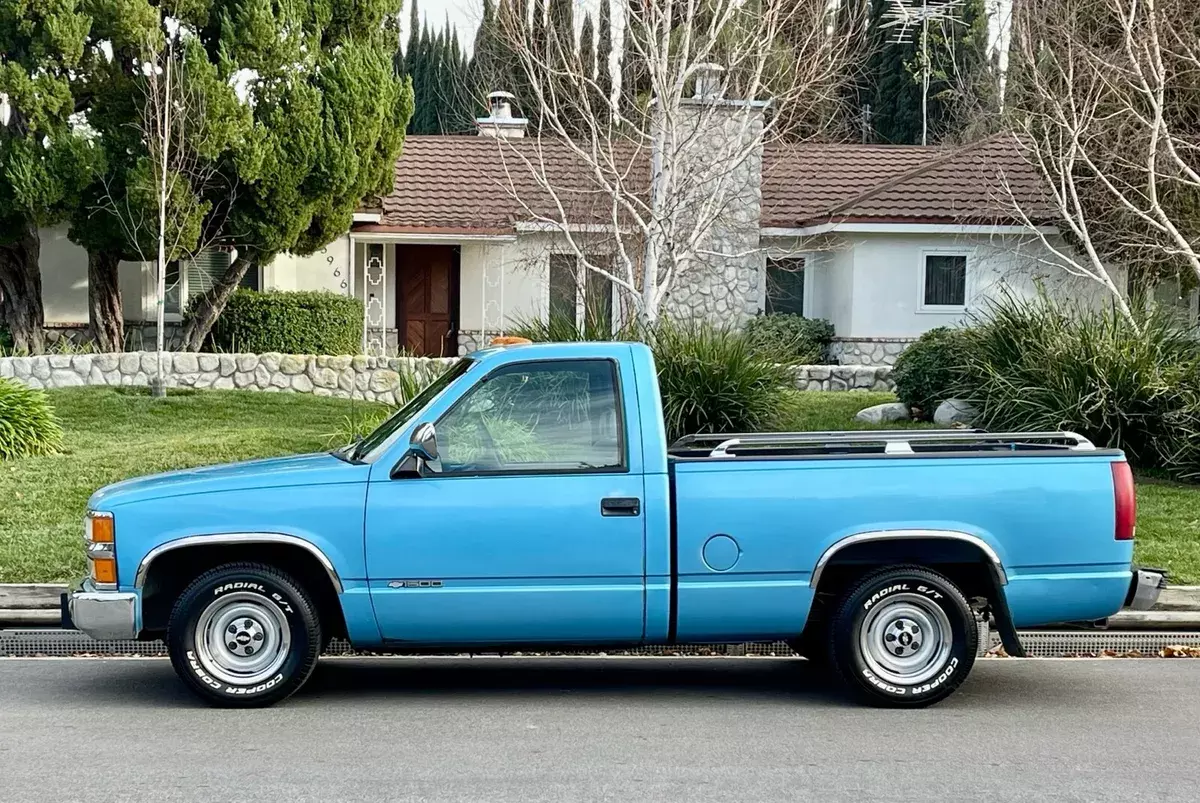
<point>426,289</point>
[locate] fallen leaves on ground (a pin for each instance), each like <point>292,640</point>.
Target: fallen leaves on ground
<point>1179,651</point>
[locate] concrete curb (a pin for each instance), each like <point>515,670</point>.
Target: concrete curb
<point>37,605</point>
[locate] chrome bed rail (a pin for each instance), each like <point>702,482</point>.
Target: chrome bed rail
<point>894,441</point>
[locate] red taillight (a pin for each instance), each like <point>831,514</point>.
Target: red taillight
<point>1126,501</point>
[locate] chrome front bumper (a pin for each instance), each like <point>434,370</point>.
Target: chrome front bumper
<point>1144,588</point>
<point>103,614</point>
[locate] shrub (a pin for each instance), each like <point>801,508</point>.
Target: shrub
<point>715,380</point>
<point>792,338</point>
<point>306,322</point>
<point>1044,365</point>
<point>931,369</point>
<point>27,423</point>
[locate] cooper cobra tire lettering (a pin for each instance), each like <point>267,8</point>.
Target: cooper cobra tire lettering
<point>855,626</point>
<point>299,619</point>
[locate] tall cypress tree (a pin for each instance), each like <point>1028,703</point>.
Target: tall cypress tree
<point>485,56</point>
<point>889,88</point>
<point>604,52</point>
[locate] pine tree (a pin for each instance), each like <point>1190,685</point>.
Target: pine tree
<point>44,163</point>
<point>326,137</point>
<point>593,102</point>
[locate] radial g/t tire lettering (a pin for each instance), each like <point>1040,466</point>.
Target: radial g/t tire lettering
<point>903,637</point>
<point>244,635</point>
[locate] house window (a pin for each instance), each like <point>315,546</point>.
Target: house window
<point>579,297</point>
<point>944,281</point>
<point>785,286</point>
<point>191,277</point>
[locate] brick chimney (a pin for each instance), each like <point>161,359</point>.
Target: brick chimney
<point>501,123</point>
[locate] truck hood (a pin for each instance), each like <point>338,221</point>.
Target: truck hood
<point>306,469</point>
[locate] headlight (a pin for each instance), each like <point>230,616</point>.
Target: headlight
<point>100,535</point>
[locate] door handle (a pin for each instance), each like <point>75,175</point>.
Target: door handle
<point>620,506</point>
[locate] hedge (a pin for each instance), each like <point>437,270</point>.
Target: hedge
<point>301,322</point>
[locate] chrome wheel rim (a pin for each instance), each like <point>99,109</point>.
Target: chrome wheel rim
<point>242,639</point>
<point>905,639</point>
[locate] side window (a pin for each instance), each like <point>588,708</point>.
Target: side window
<point>785,285</point>
<point>545,416</point>
<point>945,281</point>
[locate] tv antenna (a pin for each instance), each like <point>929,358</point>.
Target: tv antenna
<point>906,16</point>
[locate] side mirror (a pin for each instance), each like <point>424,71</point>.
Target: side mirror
<point>423,443</point>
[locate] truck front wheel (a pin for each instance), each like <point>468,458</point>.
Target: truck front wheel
<point>903,637</point>
<point>244,635</point>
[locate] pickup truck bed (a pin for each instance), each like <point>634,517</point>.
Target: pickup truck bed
<point>1007,491</point>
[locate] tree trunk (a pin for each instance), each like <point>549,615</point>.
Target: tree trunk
<point>105,316</point>
<point>21,307</point>
<point>212,304</point>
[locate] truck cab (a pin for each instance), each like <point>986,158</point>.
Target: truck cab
<point>529,498</point>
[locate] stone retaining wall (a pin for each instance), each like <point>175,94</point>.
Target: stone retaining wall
<point>869,350</point>
<point>845,377</point>
<point>372,378</point>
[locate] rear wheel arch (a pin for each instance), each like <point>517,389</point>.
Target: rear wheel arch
<point>967,560</point>
<point>167,570</point>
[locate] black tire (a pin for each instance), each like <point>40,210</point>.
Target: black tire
<point>899,606</point>
<point>255,599</point>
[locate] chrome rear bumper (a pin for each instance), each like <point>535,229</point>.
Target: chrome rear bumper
<point>1144,588</point>
<point>103,614</point>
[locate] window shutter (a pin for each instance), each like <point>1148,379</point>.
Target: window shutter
<point>205,269</point>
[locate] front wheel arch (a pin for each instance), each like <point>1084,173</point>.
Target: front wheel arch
<point>167,574</point>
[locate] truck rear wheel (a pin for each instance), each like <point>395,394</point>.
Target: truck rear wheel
<point>903,637</point>
<point>244,635</point>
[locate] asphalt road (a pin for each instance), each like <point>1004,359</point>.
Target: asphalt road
<point>543,729</point>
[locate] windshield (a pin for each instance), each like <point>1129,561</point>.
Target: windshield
<point>398,419</point>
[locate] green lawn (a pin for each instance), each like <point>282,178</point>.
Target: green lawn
<point>113,434</point>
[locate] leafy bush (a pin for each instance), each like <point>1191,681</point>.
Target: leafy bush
<point>931,369</point>
<point>27,423</point>
<point>715,380</point>
<point>792,338</point>
<point>306,322</point>
<point>1044,365</point>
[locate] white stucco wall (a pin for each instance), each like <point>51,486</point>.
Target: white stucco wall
<point>875,284</point>
<point>494,304</point>
<point>326,269</point>
<point>64,281</point>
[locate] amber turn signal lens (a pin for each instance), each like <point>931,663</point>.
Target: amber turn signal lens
<point>104,570</point>
<point>102,530</point>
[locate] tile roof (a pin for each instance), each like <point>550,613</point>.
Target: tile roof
<point>455,183</point>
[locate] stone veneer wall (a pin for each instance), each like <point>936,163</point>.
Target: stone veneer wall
<point>371,378</point>
<point>845,377</point>
<point>869,350</point>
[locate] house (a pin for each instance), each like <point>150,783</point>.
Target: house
<point>884,242</point>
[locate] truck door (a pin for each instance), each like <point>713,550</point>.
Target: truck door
<point>528,528</point>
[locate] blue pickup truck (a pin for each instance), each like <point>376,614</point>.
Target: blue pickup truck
<point>529,498</point>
